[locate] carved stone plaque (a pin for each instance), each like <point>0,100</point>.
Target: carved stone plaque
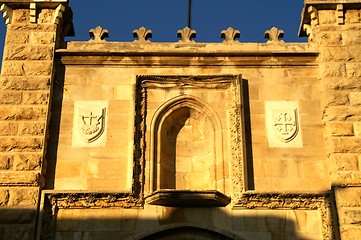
<point>89,124</point>
<point>282,123</point>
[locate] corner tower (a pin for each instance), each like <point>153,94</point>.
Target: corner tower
<point>34,30</point>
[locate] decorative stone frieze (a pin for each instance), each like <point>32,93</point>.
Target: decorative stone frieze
<point>142,34</point>
<point>230,34</point>
<point>186,34</point>
<point>99,34</point>
<point>273,35</point>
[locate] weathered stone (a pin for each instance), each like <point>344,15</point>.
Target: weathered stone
<point>4,197</point>
<point>341,83</point>
<point>23,113</point>
<point>20,83</point>
<point>23,197</point>
<point>27,162</point>
<point>28,52</point>
<point>17,38</point>
<point>33,27</point>
<point>342,113</point>
<point>10,68</point>
<point>18,231</point>
<point>10,97</point>
<point>6,162</point>
<point>326,17</point>
<point>330,38</point>
<point>46,16</point>
<point>21,144</point>
<point>337,53</point>
<point>21,15</point>
<point>350,216</point>
<point>19,179</point>
<point>355,98</point>
<point>36,98</point>
<point>352,16</point>
<point>42,38</point>
<point>335,98</point>
<point>350,232</point>
<point>340,128</point>
<point>353,70</point>
<point>357,128</point>
<point>8,128</point>
<point>32,128</point>
<point>334,69</point>
<point>345,162</point>
<point>346,178</point>
<point>351,38</point>
<point>38,68</point>
<point>346,144</point>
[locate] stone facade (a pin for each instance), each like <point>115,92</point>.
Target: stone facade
<point>183,140</point>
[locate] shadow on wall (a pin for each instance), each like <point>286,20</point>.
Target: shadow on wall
<point>175,224</point>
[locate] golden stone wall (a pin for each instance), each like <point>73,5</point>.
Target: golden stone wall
<point>145,140</point>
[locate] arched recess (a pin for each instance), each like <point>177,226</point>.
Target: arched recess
<point>181,232</point>
<point>186,147</point>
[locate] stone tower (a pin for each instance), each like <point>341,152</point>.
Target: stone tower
<point>146,140</point>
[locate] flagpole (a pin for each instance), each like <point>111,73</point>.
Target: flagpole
<point>189,12</point>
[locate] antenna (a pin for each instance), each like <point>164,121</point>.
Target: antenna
<point>189,12</point>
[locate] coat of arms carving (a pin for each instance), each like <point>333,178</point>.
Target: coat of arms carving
<point>91,123</point>
<point>285,124</point>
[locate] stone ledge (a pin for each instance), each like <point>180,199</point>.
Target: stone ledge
<point>188,198</point>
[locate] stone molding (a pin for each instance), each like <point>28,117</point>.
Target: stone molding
<point>294,201</point>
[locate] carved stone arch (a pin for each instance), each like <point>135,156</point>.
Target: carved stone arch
<point>168,125</point>
<point>188,231</point>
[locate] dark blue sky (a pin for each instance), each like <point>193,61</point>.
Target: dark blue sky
<point>166,17</point>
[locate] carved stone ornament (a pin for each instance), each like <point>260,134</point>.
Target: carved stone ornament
<point>186,35</point>
<point>285,124</point>
<point>230,35</point>
<point>91,124</point>
<point>7,13</point>
<point>302,201</point>
<point>273,35</point>
<point>99,34</point>
<point>142,34</point>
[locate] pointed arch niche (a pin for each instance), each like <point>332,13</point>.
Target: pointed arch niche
<point>187,134</point>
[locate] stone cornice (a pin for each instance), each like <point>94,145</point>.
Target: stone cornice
<point>201,54</point>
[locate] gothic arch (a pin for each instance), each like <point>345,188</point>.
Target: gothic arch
<point>186,133</point>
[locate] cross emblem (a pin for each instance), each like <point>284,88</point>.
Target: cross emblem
<point>284,123</point>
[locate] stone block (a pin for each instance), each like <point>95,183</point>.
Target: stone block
<point>11,68</point>
<point>22,83</point>
<point>19,178</point>
<point>353,70</point>
<point>348,197</point>
<point>4,197</point>
<point>24,197</point>
<point>346,178</point>
<point>344,162</point>
<point>352,16</point>
<point>340,128</point>
<point>38,68</point>
<point>32,27</point>
<point>21,144</point>
<point>350,232</point>
<point>326,17</point>
<point>9,97</point>
<point>351,38</point>
<point>32,128</point>
<point>357,128</point>
<point>336,53</point>
<point>331,38</point>
<point>17,38</point>
<point>28,52</point>
<point>340,83</point>
<point>332,69</point>
<point>342,113</point>
<point>36,98</point>
<point>346,144</point>
<point>8,128</point>
<point>21,16</point>
<point>23,113</point>
<point>335,98</point>
<point>350,215</point>
<point>6,162</point>
<point>42,38</point>
<point>27,162</point>
<point>355,97</point>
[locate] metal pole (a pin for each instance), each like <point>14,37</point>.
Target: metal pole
<point>189,12</point>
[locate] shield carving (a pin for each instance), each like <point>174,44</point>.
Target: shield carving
<point>285,124</point>
<point>91,123</point>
